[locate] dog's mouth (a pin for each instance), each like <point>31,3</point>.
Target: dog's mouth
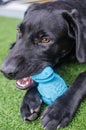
<point>25,83</point>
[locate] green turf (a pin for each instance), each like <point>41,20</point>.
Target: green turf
<point>11,97</point>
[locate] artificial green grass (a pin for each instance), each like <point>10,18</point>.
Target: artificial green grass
<point>11,97</point>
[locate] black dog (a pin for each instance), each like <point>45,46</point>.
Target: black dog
<point>49,34</point>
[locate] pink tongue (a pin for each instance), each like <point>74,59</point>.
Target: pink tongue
<point>24,83</point>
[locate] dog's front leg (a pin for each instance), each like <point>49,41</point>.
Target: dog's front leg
<point>31,105</point>
<point>61,112</point>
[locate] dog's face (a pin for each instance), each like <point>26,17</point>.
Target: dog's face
<point>42,40</point>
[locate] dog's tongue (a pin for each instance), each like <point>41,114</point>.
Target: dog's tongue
<point>24,83</point>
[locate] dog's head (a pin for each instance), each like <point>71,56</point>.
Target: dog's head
<point>45,36</point>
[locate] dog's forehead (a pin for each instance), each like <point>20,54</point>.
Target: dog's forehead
<point>43,19</point>
<point>36,16</point>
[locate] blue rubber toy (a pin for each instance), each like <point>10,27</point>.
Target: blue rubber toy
<point>50,85</point>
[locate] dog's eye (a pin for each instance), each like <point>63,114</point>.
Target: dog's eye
<point>45,40</point>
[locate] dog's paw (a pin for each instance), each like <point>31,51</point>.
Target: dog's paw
<point>29,114</point>
<point>57,116</point>
<point>31,105</point>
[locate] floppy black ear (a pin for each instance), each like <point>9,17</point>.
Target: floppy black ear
<point>77,29</point>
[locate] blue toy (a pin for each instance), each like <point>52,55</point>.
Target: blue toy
<point>50,86</point>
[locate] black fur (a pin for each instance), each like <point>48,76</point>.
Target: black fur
<point>63,23</point>
<point>30,108</point>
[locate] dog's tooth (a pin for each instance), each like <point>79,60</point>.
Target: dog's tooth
<point>26,83</point>
<point>18,83</point>
<point>22,85</point>
<point>25,79</point>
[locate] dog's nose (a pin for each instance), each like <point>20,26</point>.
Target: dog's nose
<point>9,71</point>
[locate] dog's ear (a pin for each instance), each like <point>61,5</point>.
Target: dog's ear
<point>77,30</point>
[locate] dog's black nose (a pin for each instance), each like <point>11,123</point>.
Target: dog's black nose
<point>9,71</point>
